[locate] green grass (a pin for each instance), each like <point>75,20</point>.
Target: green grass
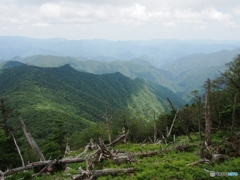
<point>169,164</point>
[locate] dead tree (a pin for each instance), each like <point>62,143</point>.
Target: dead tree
<point>234,114</point>
<point>19,152</point>
<point>120,138</point>
<point>43,163</point>
<point>174,110</point>
<point>199,117</point>
<point>169,132</point>
<point>89,146</point>
<point>155,128</point>
<point>31,141</point>
<point>107,118</point>
<point>207,114</point>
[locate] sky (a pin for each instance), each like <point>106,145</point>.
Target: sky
<point>121,19</point>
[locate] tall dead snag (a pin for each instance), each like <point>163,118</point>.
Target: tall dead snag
<point>234,115</point>
<point>107,121</point>
<point>174,110</point>
<point>19,152</point>
<point>199,117</point>
<point>155,128</point>
<point>207,114</point>
<point>175,117</point>
<point>31,141</point>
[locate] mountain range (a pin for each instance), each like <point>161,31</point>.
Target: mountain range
<point>158,52</point>
<point>43,95</point>
<point>57,79</point>
<point>180,76</point>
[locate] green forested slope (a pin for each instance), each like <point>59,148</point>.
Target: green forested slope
<point>133,68</point>
<point>43,95</point>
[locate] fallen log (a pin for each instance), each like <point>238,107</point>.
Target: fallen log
<point>122,158</point>
<point>146,154</point>
<point>97,173</point>
<point>42,163</point>
<point>47,167</point>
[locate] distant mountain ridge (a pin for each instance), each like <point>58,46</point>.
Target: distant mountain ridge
<point>181,76</point>
<point>191,72</point>
<point>136,68</point>
<point>157,52</point>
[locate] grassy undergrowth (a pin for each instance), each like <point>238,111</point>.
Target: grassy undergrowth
<point>169,164</point>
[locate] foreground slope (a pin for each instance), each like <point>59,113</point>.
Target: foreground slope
<point>43,95</point>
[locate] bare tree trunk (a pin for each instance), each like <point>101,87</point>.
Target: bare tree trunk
<point>31,141</point>
<point>199,117</point>
<point>19,152</point>
<point>207,114</point>
<point>155,129</point>
<point>167,131</point>
<point>174,110</point>
<point>234,115</point>
<point>175,117</point>
<point>107,121</point>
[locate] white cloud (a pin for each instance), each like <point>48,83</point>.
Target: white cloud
<point>65,13</point>
<point>169,24</point>
<point>127,13</point>
<point>232,24</point>
<point>200,27</point>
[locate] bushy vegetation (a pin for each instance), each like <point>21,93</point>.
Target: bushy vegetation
<point>168,164</point>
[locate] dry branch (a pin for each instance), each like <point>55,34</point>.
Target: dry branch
<point>19,152</point>
<point>120,138</point>
<point>169,132</point>
<point>89,146</point>
<point>31,141</point>
<point>201,161</point>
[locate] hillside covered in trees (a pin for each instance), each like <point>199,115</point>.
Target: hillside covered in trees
<point>64,106</point>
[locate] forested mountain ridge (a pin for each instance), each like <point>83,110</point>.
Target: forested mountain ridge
<point>190,72</point>
<point>43,95</point>
<point>136,68</point>
<point>200,60</point>
<point>181,76</point>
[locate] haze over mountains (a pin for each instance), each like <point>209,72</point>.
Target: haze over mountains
<point>157,52</point>
<point>179,65</point>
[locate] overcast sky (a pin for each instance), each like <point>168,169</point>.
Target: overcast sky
<point>121,19</point>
